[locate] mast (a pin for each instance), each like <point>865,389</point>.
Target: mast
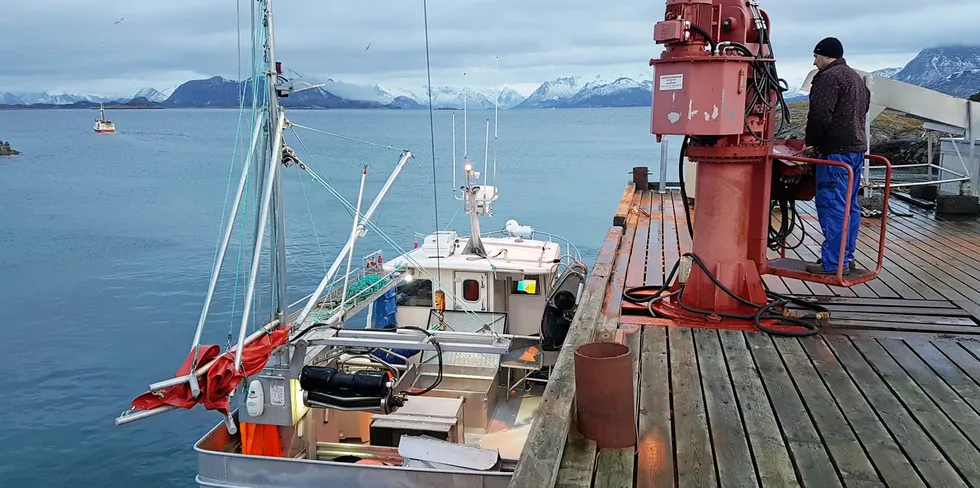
<point>278,230</point>
<point>270,185</point>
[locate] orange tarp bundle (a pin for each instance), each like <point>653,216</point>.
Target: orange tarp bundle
<point>260,440</point>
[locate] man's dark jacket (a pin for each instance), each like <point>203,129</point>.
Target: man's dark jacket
<point>839,102</point>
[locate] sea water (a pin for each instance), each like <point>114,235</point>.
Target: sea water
<point>107,243</point>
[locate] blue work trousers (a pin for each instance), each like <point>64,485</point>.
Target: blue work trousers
<point>831,197</point>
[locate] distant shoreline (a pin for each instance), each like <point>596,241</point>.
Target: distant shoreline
<point>161,107</point>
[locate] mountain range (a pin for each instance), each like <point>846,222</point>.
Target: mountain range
<point>954,70</point>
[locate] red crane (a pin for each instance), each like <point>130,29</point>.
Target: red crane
<point>716,84</point>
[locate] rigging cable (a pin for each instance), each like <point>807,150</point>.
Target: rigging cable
<point>432,137</point>
<point>381,233</point>
<point>347,138</point>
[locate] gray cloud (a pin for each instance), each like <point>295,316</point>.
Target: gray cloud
<point>66,44</point>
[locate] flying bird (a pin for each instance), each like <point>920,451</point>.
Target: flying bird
<point>120,20</point>
<point>369,46</point>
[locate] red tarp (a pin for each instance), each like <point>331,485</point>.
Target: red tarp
<point>220,380</point>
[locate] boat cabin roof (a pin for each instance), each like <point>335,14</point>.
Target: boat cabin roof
<point>504,254</point>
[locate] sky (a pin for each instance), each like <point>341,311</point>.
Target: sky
<point>116,47</point>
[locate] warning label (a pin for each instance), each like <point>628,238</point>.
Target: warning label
<point>278,395</point>
<point>671,82</point>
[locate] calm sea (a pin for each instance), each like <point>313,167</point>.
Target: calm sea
<point>106,245</point>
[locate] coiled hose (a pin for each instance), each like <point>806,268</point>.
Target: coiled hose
<point>811,326</point>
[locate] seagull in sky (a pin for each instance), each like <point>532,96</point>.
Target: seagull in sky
<point>120,20</point>
<point>369,46</point>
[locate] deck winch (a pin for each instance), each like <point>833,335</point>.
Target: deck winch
<point>716,84</point>
<point>361,390</point>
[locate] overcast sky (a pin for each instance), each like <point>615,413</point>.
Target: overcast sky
<point>77,46</point>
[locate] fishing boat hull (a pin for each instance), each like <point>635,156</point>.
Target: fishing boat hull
<point>218,468</point>
<point>104,129</point>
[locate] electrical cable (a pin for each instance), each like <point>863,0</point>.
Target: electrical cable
<point>762,311</point>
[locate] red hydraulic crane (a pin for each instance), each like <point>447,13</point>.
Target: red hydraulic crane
<point>716,84</point>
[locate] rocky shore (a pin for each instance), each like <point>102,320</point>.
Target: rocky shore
<point>900,139</point>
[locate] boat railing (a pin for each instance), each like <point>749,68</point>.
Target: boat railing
<point>575,254</point>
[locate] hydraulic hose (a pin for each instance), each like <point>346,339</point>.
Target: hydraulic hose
<point>680,178</point>
<point>761,314</point>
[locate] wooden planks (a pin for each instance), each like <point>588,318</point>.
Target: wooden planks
<point>889,396</point>
<point>754,410</point>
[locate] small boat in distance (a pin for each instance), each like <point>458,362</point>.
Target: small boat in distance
<point>103,125</point>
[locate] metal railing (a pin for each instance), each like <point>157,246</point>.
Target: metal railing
<point>933,170</point>
<point>847,205</point>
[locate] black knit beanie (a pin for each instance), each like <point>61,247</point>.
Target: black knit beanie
<point>830,47</point>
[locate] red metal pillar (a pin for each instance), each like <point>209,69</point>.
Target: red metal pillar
<point>721,240</point>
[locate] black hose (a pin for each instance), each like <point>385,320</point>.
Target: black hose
<point>761,314</point>
<point>703,33</point>
<point>789,220</point>
<point>438,355</point>
<point>684,197</point>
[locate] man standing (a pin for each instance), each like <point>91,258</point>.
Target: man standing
<point>835,130</point>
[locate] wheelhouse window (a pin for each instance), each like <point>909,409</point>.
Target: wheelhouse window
<point>471,290</point>
<point>529,285</point>
<point>416,293</point>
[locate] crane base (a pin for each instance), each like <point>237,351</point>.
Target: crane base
<point>668,308</point>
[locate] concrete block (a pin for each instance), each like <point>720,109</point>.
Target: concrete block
<point>957,205</point>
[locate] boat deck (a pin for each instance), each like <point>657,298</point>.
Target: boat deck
<point>887,395</point>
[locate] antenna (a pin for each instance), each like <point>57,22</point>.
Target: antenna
<point>496,104</point>
<point>465,147</point>
<point>486,155</point>
<point>454,155</point>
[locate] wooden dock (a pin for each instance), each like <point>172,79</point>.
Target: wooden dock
<point>887,395</point>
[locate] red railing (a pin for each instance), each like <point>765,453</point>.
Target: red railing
<point>847,205</point>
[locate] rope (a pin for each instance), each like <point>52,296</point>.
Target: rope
<point>348,138</point>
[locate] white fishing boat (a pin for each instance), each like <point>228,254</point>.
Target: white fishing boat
<point>102,124</point>
<point>438,390</point>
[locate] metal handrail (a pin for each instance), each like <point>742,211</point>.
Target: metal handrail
<point>847,205</point>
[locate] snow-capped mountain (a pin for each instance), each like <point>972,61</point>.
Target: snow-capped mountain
<point>508,98</point>
<point>954,70</point>
<point>154,95</point>
<point>7,98</point>
<point>553,93</point>
<point>60,98</point>
<point>622,92</point>
<point>447,97</point>
<point>886,72</point>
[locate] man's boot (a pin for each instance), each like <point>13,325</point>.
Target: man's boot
<point>818,268</point>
